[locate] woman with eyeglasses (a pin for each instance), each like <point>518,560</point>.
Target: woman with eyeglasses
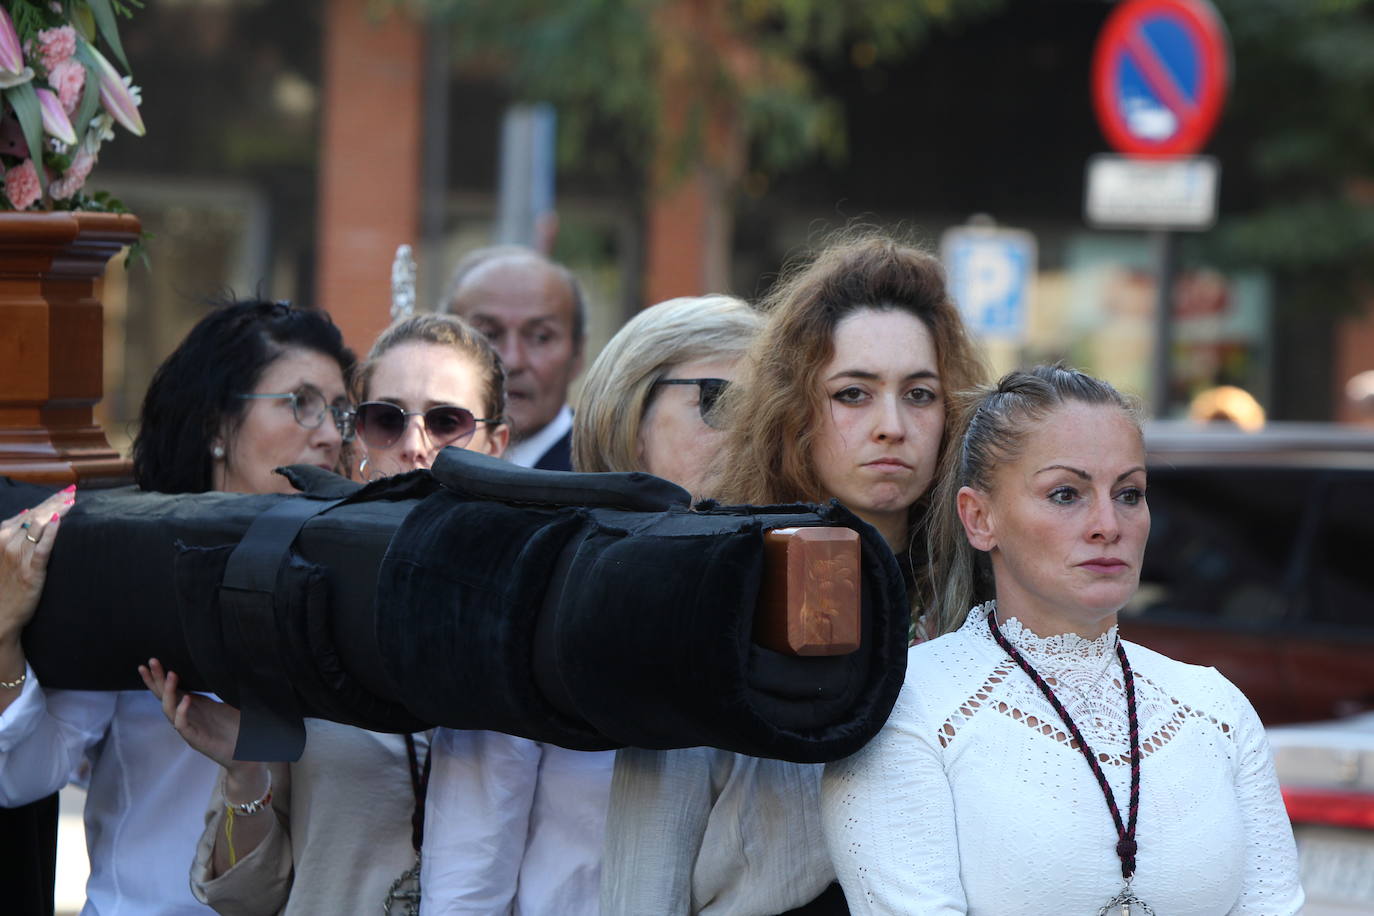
<point>842,396</point>
<point>337,831</point>
<point>255,385</point>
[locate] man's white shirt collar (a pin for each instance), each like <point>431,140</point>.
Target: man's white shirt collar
<point>527,452</point>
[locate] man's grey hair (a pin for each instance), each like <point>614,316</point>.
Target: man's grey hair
<point>471,261</point>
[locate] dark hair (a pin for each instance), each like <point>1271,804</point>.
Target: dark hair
<point>471,261</point>
<point>444,331</point>
<point>990,427</point>
<point>192,394</point>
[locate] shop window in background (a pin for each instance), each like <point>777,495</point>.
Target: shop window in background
<point>1099,315</point>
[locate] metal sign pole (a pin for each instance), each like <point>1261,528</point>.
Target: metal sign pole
<point>1166,268</point>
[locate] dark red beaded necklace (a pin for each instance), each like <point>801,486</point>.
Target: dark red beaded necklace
<point>1125,832</point>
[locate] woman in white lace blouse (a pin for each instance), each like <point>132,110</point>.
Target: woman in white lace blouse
<point>1035,763</point>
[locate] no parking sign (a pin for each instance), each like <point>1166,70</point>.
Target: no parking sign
<point>1160,74</point>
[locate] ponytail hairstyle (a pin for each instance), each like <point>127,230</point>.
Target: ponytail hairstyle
<point>989,427</point>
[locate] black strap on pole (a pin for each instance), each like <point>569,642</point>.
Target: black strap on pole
<point>272,727</point>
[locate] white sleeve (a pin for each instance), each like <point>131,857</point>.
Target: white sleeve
<point>660,803</point>
<point>888,817</point>
<point>44,734</point>
<point>477,813</point>
<point>561,872</point>
<point>1270,882</point>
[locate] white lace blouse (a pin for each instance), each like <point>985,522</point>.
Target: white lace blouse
<point>973,798</point>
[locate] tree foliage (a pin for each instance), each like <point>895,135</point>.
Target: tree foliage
<point>1302,113</point>
<point>1298,132</point>
<point>751,61</point>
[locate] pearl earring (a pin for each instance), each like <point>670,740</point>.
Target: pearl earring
<point>217,452</point>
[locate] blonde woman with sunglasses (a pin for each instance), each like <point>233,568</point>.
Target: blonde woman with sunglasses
<point>649,402</point>
<point>430,381</point>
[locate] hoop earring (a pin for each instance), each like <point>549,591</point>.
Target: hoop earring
<point>362,468</point>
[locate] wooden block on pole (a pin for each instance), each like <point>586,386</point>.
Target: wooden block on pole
<point>810,600</point>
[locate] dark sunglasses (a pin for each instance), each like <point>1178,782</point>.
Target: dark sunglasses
<point>711,390</point>
<point>381,423</point>
<point>308,406</point>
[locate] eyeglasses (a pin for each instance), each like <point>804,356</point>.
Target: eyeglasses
<point>381,423</point>
<point>308,406</point>
<point>711,390</point>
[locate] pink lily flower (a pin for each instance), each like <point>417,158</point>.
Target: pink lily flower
<point>115,96</point>
<point>55,121</point>
<point>11,54</point>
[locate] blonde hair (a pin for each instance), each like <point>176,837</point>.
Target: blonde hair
<point>990,426</point>
<point>446,331</point>
<point>775,411</point>
<point>618,388</point>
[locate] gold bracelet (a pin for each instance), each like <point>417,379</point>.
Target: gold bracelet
<point>17,682</point>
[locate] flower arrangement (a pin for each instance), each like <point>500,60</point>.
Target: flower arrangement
<point>62,98</point>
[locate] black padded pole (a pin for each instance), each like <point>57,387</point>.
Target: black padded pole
<point>590,611</point>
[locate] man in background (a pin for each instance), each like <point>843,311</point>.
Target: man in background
<point>533,312</point>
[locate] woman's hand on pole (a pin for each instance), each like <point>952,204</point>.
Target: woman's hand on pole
<point>26,543</point>
<point>207,725</point>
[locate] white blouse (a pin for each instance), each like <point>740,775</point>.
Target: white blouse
<point>512,826</point>
<point>145,795</point>
<point>972,798</point>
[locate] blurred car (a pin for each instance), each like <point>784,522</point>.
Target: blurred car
<point>1261,562</point>
<point>1327,773</point>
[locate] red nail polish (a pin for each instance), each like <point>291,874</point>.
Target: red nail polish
<point>55,517</point>
<point>70,488</point>
<point>69,502</point>
<point>22,511</point>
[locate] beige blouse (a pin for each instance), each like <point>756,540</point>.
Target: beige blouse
<point>341,834</point>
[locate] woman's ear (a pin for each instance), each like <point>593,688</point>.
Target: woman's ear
<point>498,437</point>
<point>975,511</point>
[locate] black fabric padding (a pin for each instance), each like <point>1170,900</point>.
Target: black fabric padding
<point>411,604</point>
<point>197,573</point>
<point>325,687</point>
<point>595,627</point>
<point>109,601</point>
<point>482,476</point>
<point>458,596</point>
<point>318,482</point>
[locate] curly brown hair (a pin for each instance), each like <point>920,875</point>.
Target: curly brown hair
<point>774,414</point>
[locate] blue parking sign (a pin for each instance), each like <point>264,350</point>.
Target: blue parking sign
<point>990,277</point>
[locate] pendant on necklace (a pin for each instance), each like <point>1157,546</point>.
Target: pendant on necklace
<point>1122,903</point>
